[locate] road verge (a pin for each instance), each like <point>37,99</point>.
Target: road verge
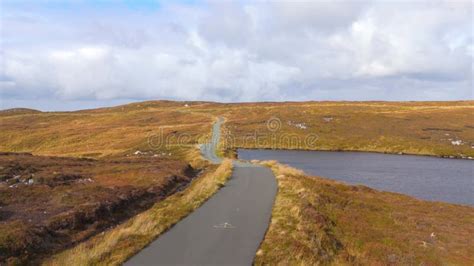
<point>116,245</point>
<point>319,221</point>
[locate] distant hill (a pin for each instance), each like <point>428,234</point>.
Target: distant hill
<point>18,111</point>
<point>148,106</point>
<point>426,128</point>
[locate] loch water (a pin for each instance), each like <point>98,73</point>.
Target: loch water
<point>429,178</point>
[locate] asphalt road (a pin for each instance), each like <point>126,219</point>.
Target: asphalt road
<point>227,229</point>
<point>208,150</point>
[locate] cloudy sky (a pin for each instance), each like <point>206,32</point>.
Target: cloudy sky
<point>64,55</point>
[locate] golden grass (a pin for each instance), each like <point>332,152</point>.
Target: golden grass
<point>318,221</point>
<point>424,128</point>
<point>98,133</point>
<point>336,222</point>
<point>115,246</point>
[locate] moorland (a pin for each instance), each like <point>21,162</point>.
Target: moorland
<point>76,166</point>
<point>320,221</point>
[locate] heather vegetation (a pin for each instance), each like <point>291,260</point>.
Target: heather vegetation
<point>139,157</point>
<point>50,203</point>
<point>118,244</point>
<point>318,221</point>
<point>156,128</point>
<point>426,128</point>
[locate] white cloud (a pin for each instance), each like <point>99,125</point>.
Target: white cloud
<point>241,52</point>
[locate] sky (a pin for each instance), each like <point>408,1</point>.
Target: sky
<point>69,55</point>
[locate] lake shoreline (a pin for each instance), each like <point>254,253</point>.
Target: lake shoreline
<point>352,224</point>
<point>426,178</point>
<point>455,157</point>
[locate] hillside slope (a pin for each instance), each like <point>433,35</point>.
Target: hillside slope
<point>426,128</point>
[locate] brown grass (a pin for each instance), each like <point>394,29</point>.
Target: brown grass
<point>49,203</point>
<point>104,132</point>
<point>162,131</point>
<point>120,243</point>
<point>425,128</point>
<point>353,224</point>
<point>318,221</point>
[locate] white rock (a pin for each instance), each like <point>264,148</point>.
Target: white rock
<point>456,142</point>
<point>301,125</point>
<point>297,125</point>
<point>138,152</point>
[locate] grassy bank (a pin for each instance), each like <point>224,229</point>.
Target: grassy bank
<point>118,244</point>
<point>319,221</point>
<point>49,203</point>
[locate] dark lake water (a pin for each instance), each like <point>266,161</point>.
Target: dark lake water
<point>428,178</point>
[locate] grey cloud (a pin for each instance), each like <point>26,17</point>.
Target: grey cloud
<point>242,52</point>
<point>320,16</point>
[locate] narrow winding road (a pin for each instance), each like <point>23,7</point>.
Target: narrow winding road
<point>208,150</point>
<point>227,229</point>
